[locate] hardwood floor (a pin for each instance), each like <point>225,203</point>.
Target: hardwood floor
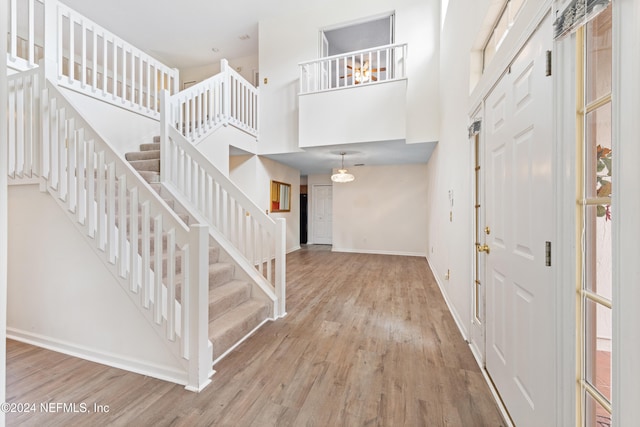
<point>368,340</point>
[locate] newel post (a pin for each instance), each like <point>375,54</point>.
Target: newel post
<point>52,38</point>
<point>197,300</point>
<point>165,119</point>
<point>281,266</point>
<point>226,90</point>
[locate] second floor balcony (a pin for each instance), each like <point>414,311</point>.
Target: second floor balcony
<point>354,97</point>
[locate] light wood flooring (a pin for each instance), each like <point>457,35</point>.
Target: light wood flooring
<point>368,341</point>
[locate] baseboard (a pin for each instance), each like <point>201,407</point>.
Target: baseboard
<point>98,356</point>
<point>377,252</point>
<point>296,248</point>
<point>464,333</point>
<point>452,310</point>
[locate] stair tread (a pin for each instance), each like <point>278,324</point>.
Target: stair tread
<point>143,155</point>
<point>151,165</point>
<point>245,315</point>
<point>226,289</point>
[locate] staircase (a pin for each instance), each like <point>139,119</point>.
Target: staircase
<point>234,312</point>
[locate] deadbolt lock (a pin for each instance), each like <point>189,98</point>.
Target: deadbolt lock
<point>484,248</point>
<point>487,231</point>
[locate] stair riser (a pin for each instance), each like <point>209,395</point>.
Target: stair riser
<point>237,332</point>
<point>222,305</point>
<point>220,275</point>
<point>146,165</point>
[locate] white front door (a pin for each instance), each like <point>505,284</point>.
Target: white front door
<point>520,336</point>
<point>322,207</point>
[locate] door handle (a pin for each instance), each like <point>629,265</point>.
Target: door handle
<point>483,248</point>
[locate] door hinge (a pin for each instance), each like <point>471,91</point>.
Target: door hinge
<point>547,254</point>
<point>548,64</point>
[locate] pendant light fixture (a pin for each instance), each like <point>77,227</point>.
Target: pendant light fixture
<point>342,175</point>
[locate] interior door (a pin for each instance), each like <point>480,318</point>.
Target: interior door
<point>322,214</point>
<point>520,337</point>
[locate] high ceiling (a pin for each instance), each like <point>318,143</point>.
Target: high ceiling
<point>183,35</point>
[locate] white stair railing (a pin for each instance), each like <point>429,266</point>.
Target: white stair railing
<point>96,62</point>
<point>120,215</point>
<point>224,99</point>
<point>362,67</point>
<point>253,235</point>
<point>26,36</point>
<point>85,57</point>
<point>23,125</point>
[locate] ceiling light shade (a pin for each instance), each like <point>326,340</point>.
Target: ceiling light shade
<point>342,175</point>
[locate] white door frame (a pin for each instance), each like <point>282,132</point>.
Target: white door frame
<point>311,214</point>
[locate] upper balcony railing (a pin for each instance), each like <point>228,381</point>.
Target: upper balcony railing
<point>85,57</point>
<point>367,66</point>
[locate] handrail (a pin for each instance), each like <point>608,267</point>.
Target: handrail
<point>224,99</point>
<point>366,66</point>
<point>121,217</point>
<point>257,237</point>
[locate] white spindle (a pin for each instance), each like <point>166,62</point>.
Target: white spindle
<point>134,240</point>
<point>81,178</point>
<point>111,213</point>
<point>102,205</point>
<point>146,255</point>
<point>157,268</point>
<point>62,146</point>
<point>72,49</point>
<point>11,116</point>
<point>122,225</point>
<point>83,56</point>
<point>114,70</point>
<point>105,64</point>
<point>91,189</point>
<point>94,60</point>
<point>45,159</point>
<point>171,284</point>
<point>13,30</point>
<point>71,165</point>
<point>19,135</point>
<point>123,93</point>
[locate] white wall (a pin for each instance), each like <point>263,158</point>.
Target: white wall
<point>268,170</point>
<point>450,165</point>
<point>245,66</point>
<point>253,175</point>
<point>383,211</point>
<point>3,208</point>
<point>287,40</point>
<point>242,171</point>
<point>357,114</point>
<point>122,129</point>
<point>62,296</point>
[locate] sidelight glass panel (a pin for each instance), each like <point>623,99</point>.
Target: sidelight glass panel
<point>598,152</point>
<point>598,331</point>
<point>598,251</point>
<point>595,415</point>
<point>598,56</point>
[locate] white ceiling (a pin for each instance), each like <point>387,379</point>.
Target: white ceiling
<point>182,35</point>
